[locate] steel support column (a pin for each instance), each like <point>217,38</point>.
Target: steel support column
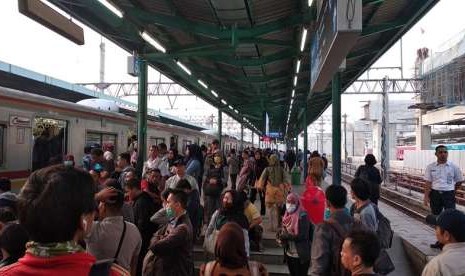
<point>141,116</point>
<point>252,138</point>
<point>305,141</point>
<point>242,136</point>
<point>336,124</point>
<point>220,122</point>
<point>385,133</point>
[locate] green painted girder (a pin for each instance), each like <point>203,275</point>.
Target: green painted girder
<point>368,2</point>
<point>362,53</point>
<point>227,42</point>
<point>156,56</point>
<point>256,79</point>
<point>259,61</point>
<point>211,30</point>
<point>384,27</point>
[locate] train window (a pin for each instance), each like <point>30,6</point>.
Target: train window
<point>2,144</point>
<point>174,142</point>
<point>107,141</point>
<point>185,143</point>
<point>156,141</point>
<point>50,141</point>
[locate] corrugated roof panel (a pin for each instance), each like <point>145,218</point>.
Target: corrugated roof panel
<point>156,6</point>
<point>198,10</point>
<point>265,11</point>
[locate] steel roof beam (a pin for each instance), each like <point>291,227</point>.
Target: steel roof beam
<point>384,27</point>
<point>257,61</point>
<point>213,31</point>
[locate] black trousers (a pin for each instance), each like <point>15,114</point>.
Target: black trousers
<point>296,268</point>
<point>441,200</point>
<point>233,180</point>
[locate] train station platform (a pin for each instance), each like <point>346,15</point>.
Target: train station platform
<point>412,238</point>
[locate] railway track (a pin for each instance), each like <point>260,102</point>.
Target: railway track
<point>404,207</point>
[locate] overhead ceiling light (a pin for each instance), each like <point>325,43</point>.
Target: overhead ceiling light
<point>152,41</point>
<point>310,2</point>
<point>183,67</point>
<point>202,83</point>
<point>224,102</point>
<point>292,101</point>
<point>235,110</point>
<point>304,38</point>
<point>214,93</point>
<point>297,69</point>
<point>295,81</point>
<point>112,8</point>
<point>293,93</point>
<point>230,107</point>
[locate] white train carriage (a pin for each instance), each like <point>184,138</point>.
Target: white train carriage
<point>69,127</point>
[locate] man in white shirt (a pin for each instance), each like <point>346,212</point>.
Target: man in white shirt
<point>180,167</point>
<point>450,231</point>
<point>442,179</point>
<point>158,159</point>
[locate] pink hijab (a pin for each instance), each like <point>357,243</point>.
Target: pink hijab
<point>291,220</point>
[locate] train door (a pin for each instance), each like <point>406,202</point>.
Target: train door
<point>50,141</point>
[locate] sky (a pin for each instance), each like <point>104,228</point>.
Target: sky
<point>28,44</point>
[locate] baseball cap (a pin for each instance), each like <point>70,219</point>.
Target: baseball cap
<point>450,220</point>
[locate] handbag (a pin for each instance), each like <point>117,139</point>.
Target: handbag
<point>383,264</point>
<point>210,238</point>
<point>210,242</point>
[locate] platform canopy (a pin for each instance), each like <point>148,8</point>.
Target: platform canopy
<point>246,51</point>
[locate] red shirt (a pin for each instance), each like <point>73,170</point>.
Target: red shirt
<point>77,264</point>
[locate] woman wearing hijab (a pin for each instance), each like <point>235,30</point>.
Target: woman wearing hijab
<point>245,172</point>
<point>313,199</point>
<point>260,164</point>
<point>194,165</point>
<point>294,236</point>
<point>230,255</point>
<point>213,184</point>
<point>231,210</point>
<point>277,184</point>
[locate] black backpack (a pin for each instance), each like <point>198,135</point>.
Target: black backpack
<point>336,267</point>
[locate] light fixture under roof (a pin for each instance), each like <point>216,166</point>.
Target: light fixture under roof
<point>202,83</point>
<point>295,81</point>
<point>109,5</point>
<point>230,107</point>
<point>214,93</point>
<point>293,93</point>
<point>310,2</point>
<point>297,68</point>
<point>235,110</point>
<point>224,102</point>
<point>152,41</point>
<point>183,67</point>
<point>303,39</point>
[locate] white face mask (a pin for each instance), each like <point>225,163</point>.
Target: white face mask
<point>68,163</point>
<point>290,208</point>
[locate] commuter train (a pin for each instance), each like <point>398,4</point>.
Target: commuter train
<point>69,127</point>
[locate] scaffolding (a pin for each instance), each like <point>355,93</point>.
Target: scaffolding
<point>443,75</point>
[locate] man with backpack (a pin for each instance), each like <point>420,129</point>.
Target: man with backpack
<point>370,174</point>
<point>359,252</point>
<point>329,235</point>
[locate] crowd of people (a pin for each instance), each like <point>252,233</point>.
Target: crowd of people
<point>101,217</point>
